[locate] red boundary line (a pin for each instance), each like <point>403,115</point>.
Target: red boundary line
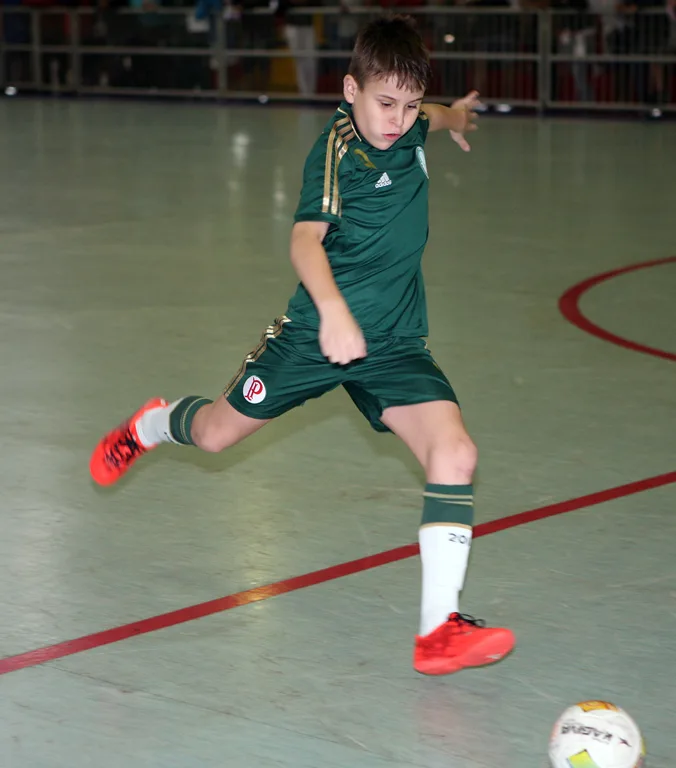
<point>165,620</point>
<point>570,309</point>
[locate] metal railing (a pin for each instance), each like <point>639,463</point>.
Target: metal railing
<point>543,60</point>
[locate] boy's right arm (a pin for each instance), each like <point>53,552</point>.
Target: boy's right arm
<point>340,337</point>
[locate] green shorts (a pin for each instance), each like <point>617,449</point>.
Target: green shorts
<point>287,368</point>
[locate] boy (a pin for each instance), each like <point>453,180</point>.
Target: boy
<point>358,319</point>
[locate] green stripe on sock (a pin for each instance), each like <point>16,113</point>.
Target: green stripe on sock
<point>180,419</point>
<point>449,504</point>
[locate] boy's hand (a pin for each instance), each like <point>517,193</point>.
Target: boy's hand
<point>340,337</point>
<point>468,105</point>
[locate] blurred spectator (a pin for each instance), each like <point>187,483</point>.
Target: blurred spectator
<point>496,33</point>
<point>659,85</point>
<point>451,33</point>
<point>206,12</point>
<point>105,31</point>
<point>251,30</point>
<point>300,36</point>
<point>15,30</point>
<point>149,20</point>
<point>348,24</point>
<point>618,21</point>
<point>577,37</point>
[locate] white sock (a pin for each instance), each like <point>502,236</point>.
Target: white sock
<point>444,552</point>
<point>153,427</point>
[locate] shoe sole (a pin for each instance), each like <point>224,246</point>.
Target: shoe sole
<point>489,651</point>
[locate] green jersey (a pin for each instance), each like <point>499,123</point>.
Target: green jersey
<point>375,202</point>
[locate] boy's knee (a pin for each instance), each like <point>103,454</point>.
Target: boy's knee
<point>209,443</point>
<point>453,460</point>
<point>463,455</point>
<point>210,440</point>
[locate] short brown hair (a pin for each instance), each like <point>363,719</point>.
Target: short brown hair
<point>391,46</point>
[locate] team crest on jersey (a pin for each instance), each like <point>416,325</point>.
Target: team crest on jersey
<point>254,390</point>
<point>420,154</point>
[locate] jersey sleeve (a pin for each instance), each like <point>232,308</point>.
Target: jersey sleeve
<point>423,125</point>
<point>324,177</point>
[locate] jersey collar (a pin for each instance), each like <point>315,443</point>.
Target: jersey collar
<point>346,109</point>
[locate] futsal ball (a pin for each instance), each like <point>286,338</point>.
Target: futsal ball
<point>596,734</point>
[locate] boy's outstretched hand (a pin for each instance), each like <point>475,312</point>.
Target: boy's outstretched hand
<point>467,105</point>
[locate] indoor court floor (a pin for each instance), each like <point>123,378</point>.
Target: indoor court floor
<point>257,608</point>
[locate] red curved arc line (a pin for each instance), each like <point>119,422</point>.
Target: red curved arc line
<point>569,306</point>
<point>182,615</point>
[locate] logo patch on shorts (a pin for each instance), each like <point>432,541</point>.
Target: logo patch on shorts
<point>254,390</point>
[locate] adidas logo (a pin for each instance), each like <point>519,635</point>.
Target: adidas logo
<point>383,181</point>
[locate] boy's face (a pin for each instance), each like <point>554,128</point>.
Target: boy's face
<point>383,111</point>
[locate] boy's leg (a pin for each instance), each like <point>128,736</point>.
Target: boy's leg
<point>400,388</point>
<point>436,435</point>
<point>285,369</point>
<point>209,425</point>
<point>447,640</point>
<point>206,424</point>
<point>193,420</point>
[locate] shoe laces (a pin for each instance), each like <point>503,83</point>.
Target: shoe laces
<point>123,450</point>
<point>457,624</point>
<point>462,619</point>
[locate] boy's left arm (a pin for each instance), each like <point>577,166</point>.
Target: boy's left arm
<point>458,118</point>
